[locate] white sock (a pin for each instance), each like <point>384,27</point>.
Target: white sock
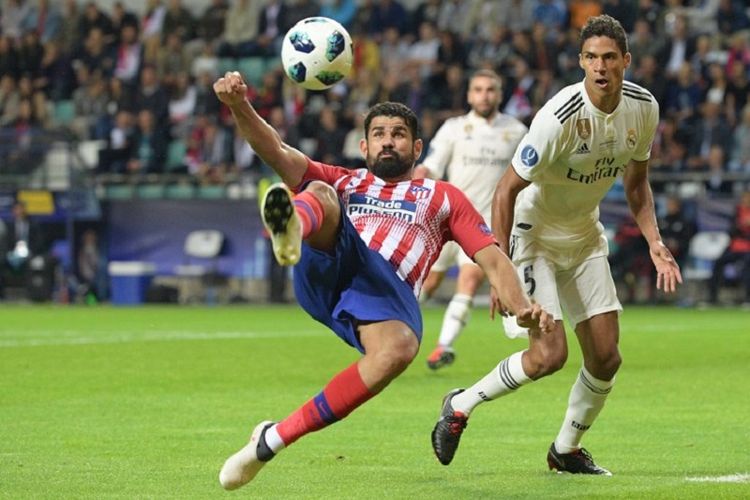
<point>455,319</point>
<point>586,400</point>
<point>506,377</point>
<point>273,440</point>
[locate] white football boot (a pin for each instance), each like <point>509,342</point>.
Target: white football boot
<point>241,468</point>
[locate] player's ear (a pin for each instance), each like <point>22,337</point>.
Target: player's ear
<point>580,61</point>
<point>363,148</point>
<point>418,146</point>
<point>628,58</point>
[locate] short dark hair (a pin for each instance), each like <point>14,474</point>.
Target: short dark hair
<point>608,26</point>
<point>393,109</point>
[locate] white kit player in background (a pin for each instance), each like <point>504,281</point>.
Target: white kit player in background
<point>546,217</point>
<point>473,150</point>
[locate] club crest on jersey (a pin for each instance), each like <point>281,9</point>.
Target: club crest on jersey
<point>583,127</point>
<point>420,192</point>
<point>468,129</point>
<point>529,156</point>
<point>632,138</point>
<point>361,204</point>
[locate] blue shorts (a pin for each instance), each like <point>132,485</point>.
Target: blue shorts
<point>353,284</point>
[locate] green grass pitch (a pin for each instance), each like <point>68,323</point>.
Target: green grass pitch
<point>148,402</point>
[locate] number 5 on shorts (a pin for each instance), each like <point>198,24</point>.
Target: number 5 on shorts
<point>529,279</point>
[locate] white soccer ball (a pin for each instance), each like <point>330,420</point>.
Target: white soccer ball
<point>317,53</point>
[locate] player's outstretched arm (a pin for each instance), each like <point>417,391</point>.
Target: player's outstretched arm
<point>288,162</point>
<point>641,202</point>
<point>508,294</point>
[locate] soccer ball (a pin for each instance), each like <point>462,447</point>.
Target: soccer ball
<point>317,53</point>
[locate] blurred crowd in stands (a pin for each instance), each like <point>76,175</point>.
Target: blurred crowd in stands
<point>138,85</point>
<point>141,82</point>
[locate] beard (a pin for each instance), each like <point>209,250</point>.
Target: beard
<point>389,168</point>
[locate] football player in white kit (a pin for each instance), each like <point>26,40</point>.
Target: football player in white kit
<point>473,150</point>
<point>546,217</point>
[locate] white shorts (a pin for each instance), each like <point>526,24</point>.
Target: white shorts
<point>583,290</point>
<point>450,255</point>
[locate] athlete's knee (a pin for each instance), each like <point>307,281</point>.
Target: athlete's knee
<point>546,358</point>
<point>605,365</point>
<point>326,195</point>
<point>395,356</point>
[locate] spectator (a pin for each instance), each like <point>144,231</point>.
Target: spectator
<point>388,14</point>
<point>738,252</point>
<point>10,100</point>
<point>8,57</point>
<point>210,26</point>
<point>737,91</point>
<point>342,11</point>
<point>731,17</point>
<point>92,18</point>
<point>149,151</point>
<point>679,45</point>
<point>113,158</point>
<point>181,104</point>
<point>152,96</point>
<point>273,26</point>
<point>55,77</point>
<point>122,17</point>
<point>171,60</point>
<point>239,38</point>
<point>46,20</point>
<point>179,21</point>
<point>129,56</point>
<point>25,237</point>
<point>740,157</point>
<point>90,268</point>
<point>30,54</point>
<point>90,101</point>
<point>711,130</point>
<point>676,228</point>
<point>717,184</point>
<point>95,54</point>
<point>330,138</point>
<point>14,16</point>
<point>152,27</point>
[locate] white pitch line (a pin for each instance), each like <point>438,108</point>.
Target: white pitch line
<point>155,337</point>
<point>732,478</point>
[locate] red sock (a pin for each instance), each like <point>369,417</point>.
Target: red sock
<point>310,212</point>
<point>345,392</point>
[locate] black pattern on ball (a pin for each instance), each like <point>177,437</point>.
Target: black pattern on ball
<point>329,77</point>
<point>301,42</point>
<point>335,45</point>
<point>298,72</point>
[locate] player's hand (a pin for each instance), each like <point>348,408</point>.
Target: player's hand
<point>496,305</point>
<point>667,271</point>
<point>231,89</point>
<point>535,317</point>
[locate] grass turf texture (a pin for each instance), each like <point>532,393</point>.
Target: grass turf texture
<point>148,402</point>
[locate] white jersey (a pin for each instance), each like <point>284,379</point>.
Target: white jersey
<point>572,155</point>
<point>475,154</point>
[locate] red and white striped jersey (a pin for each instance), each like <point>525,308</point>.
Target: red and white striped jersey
<point>406,222</point>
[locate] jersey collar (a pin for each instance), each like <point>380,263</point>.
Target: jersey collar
<point>593,109</point>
